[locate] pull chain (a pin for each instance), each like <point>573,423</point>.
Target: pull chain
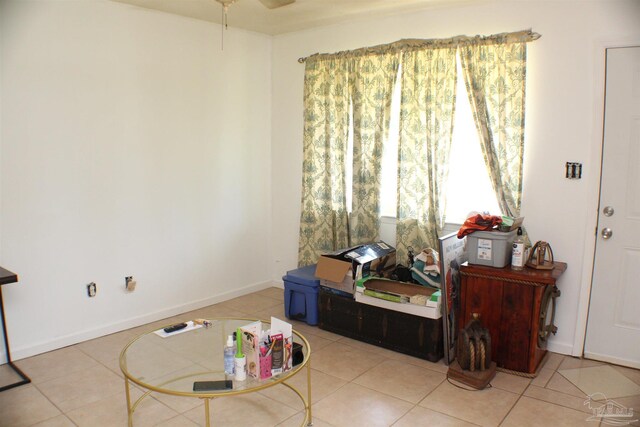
<point>225,21</point>
<point>223,26</point>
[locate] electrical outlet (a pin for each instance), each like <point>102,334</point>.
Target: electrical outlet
<point>91,290</point>
<point>129,283</point>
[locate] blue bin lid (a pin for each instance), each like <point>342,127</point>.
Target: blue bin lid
<point>303,276</point>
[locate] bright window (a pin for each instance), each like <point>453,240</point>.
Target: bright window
<point>469,188</point>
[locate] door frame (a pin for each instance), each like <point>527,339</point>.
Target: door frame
<point>594,176</point>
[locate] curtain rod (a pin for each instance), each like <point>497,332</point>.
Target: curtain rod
<point>413,44</point>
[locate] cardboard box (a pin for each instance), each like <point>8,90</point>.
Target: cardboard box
<point>263,362</point>
<point>251,347</point>
<point>431,310</point>
<point>340,270</point>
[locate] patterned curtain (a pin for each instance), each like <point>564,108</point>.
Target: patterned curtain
<point>426,127</point>
<point>372,84</point>
<point>494,75</point>
<point>323,221</point>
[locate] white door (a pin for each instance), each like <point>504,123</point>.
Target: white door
<point>613,328</point>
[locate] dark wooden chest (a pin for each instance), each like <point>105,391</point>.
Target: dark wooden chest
<point>405,333</point>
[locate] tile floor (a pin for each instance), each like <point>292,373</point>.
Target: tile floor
<point>353,384</point>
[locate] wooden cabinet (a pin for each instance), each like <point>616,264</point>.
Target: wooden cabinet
<point>511,304</point>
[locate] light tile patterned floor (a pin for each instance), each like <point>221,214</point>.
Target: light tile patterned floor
<point>354,384</point>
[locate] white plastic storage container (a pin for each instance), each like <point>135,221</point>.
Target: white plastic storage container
<point>492,248</point>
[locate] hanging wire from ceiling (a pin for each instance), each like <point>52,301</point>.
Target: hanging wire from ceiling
<point>225,21</point>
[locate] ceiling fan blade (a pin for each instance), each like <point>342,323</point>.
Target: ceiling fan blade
<point>272,4</point>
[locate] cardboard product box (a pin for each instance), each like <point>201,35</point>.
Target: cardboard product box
<point>394,295</point>
<point>251,347</point>
<point>340,270</point>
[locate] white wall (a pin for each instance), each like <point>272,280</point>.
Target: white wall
<point>563,103</point>
<point>131,145</point>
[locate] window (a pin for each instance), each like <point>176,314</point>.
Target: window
<point>469,188</point>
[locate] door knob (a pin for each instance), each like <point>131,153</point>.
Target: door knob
<point>607,233</point>
<point>608,211</point>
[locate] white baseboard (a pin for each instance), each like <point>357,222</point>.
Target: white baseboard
<point>609,359</point>
<point>560,347</point>
<point>88,334</point>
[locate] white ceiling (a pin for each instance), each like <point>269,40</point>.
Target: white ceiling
<point>303,14</point>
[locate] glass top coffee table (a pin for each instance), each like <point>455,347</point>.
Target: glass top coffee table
<point>171,365</point>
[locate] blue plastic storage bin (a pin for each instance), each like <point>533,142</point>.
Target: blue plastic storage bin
<point>301,294</point>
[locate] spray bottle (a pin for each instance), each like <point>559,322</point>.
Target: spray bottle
<point>240,359</point>
<point>517,253</point>
<point>229,359</point>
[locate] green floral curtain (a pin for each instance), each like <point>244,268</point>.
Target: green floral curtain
<point>494,74</point>
<point>372,84</point>
<point>426,126</point>
<point>323,220</point>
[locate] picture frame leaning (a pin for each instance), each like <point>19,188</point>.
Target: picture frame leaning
<point>452,255</point>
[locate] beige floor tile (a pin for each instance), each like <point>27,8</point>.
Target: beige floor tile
<point>438,366</point>
<point>561,384</point>
<point>217,310</point>
<point>401,380</point>
<point>8,375</point>
<point>510,382</point>
<point>251,303</point>
<point>419,416</point>
<point>179,404</point>
<point>25,406</point>
<point>632,374</point>
<point>82,387</point>
<point>369,348</point>
<point>276,311</point>
<point>344,361</point>
<point>553,360</point>
<point>575,362</point>
<point>530,412</point>
<point>112,411</point>
<point>179,421</point>
<point>316,342</point>
<point>297,419</point>
<point>354,405</point>
<point>272,292</point>
<point>552,396</point>
<point>55,364</point>
<point>601,379</point>
<point>114,366</point>
<point>486,407</point>
<point>544,375</point>
<point>321,386</point>
<point>632,402</point>
<point>251,409</point>
<point>108,347</point>
<point>305,329</point>
<point>59,421</point>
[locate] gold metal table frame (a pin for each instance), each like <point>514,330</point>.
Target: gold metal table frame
<point>139,355</point>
